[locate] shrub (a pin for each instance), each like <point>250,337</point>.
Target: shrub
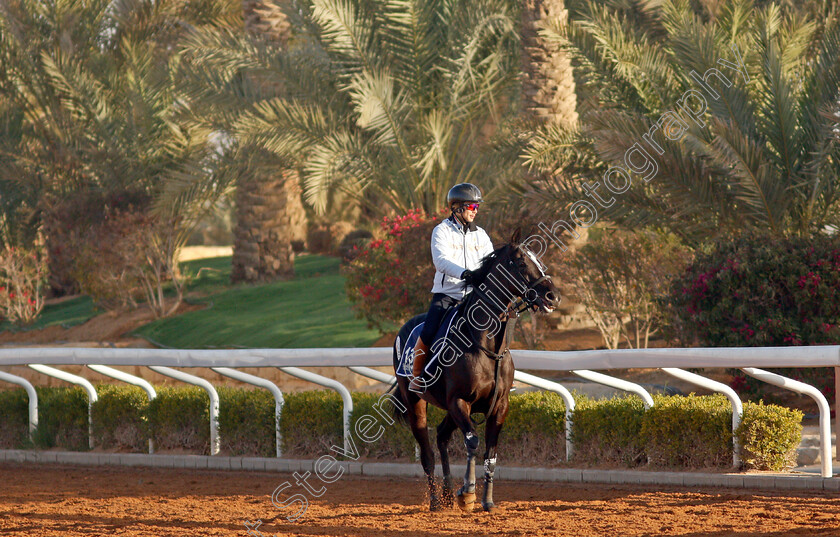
<point>179,418</point>
<point>609,431</point>
<point>618,275</point>
<point>388,281</point>
<point>353,243</point>
<point>107,255</point>
<point>396,441</point>
<point>535,429</point>
<point>70,219</point>
<point>311,422</point>
<point>62,418</point>
<point>14,427</point>
<point>682,432</point>
<point>757,291</point>
<point>769,435</point>
<point>326,238</point>
<point>688,432</point>
<point>246,421</point>
<point>129,256</point>
<point>120,418</point>
<point>23,275</point>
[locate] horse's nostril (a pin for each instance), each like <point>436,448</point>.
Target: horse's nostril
<point>550,297</point>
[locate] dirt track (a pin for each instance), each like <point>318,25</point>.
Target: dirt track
<point>49,500</point>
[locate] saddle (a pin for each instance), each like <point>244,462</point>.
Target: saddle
<point>405,348</point>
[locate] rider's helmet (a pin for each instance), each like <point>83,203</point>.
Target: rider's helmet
<point>463,193</point>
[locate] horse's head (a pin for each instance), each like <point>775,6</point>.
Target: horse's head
<point>540,292</point>
<point>517,270</point>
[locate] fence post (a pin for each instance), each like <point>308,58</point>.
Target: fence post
<point>33,399</point>
<point>268,385</point>
<point>211,391</point>
<point>130,379</point>
<point>74,379</point>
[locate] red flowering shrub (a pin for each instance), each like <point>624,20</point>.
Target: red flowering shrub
<point>23,276</point>
<point>762,291</point>
<point>389,279</point>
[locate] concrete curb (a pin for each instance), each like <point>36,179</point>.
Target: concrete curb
<point>798,481</point>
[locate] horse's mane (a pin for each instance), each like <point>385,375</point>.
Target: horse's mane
<point>488,262</point>
<point>479,275</point>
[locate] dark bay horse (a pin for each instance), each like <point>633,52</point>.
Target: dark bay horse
<point>475,370</point>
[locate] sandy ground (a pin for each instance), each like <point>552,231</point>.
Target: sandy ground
<point>49,500</point>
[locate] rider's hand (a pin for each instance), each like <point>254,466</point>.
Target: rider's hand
<point>468,276</point>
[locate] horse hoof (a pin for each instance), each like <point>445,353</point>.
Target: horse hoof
<point>466,500</point>
<point>488,506</point>
<point>447,499</point>
<point>435,505</point>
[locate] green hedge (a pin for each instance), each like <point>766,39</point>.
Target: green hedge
<point>769,437</point>
<point>678,432</point>
<point>608,431</point>
<point>14,425</point>
<point>119,418</point>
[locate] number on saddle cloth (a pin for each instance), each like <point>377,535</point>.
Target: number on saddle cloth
<point>404,369</point>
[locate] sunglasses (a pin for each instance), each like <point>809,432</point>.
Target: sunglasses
<point>471,206</point>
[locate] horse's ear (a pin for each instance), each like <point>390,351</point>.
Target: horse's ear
<point>517,234</point>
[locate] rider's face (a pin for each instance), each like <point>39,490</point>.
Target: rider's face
<point>468,215</point>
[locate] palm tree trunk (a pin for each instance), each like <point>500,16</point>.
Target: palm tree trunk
<point>269,210</point>
<point>268,207</point>
<point>549,85</point>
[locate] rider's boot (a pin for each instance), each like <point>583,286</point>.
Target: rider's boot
<point>421,353</point>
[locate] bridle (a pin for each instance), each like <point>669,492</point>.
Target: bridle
<point>526,303</point>
<point>522,303</point>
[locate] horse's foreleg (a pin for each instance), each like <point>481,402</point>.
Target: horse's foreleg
<point>444,434</point>
<point>427,456</point>
<point>460,412</point>
<point>491,438</point>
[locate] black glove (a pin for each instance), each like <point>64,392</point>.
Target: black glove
<point>468,276</point>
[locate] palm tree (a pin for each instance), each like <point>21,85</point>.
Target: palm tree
<point>549,86</point>
<point>269,213</point>
<point>386,104</point>
<point>93,84</point>
<point>762,156</point>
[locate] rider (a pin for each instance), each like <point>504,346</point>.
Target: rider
<point>458,246</point>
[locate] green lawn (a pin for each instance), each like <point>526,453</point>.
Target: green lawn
<point>68,313</point>
<point>308,311</point>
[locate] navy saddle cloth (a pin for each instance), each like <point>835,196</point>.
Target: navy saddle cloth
<point>406,348</point>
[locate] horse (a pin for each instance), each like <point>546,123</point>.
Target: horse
<point>478,371</point>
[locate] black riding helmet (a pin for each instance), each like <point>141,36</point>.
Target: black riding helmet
<point>463,193</point>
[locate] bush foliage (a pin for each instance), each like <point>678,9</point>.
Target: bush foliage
<point>388,281</point>
<point>758,291</point>
<point>678,432</point>
<point>23,278</point>
<point>617,276</point>
<point>769,437</point>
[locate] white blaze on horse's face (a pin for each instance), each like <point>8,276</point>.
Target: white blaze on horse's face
<point>545,307</point>
<point>536,261</point>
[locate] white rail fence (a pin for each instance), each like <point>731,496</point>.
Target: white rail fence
<point>360,360</point>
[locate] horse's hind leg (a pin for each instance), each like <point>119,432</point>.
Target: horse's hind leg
<point>444,434</point>
<point>491,438</point>
<point>460,412</point>
<point>427,456</point>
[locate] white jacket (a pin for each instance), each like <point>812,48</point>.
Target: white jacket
<point>453,252</point>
